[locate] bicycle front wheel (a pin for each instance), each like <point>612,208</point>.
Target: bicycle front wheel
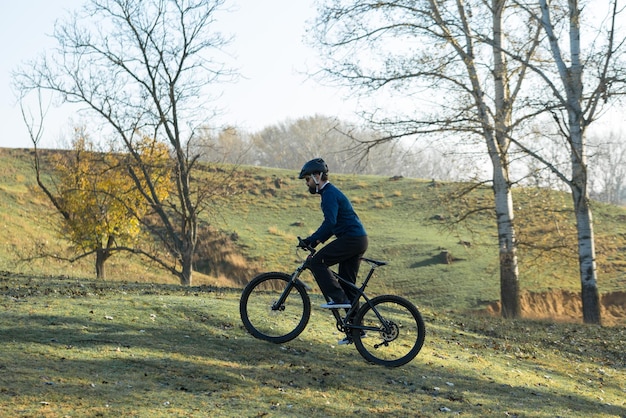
<point>394,331</point>
<point>265,316</point>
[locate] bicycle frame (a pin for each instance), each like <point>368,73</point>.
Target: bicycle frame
<point>343,324</point>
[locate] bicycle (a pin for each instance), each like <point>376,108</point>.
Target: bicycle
<point>387,330</point>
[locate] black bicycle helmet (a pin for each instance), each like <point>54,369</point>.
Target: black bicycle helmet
<point>316,165</point>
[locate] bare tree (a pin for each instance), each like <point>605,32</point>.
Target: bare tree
<point>288,144</point>
<point>228,145</point>
<point>576,83</point>
<point>143,68</point>
<point>446,61</point>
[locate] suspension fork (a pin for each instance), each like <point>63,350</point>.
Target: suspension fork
<point>295,280</point>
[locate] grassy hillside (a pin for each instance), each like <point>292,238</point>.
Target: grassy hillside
<point>28,223</point>
<point>81,348</point>
<point>140,345</point>
<point>408,220</point>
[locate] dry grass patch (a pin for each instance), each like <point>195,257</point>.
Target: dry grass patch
<point>385,204</point>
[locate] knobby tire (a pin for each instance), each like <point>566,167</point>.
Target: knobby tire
<point>266,321</point>
<point>397,345</point>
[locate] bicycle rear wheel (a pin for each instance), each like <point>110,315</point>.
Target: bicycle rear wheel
<point>268,320</point>
<point>395,340</point>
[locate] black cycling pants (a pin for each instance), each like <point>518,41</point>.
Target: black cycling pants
<point>345,251</point>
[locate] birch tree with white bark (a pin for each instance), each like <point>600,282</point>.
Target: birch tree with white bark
<point>446,61</point>
<point>583,69</point>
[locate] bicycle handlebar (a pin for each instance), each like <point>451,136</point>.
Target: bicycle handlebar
<point>302,244</point>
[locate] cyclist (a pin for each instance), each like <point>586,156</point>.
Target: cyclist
<point>350,243</point>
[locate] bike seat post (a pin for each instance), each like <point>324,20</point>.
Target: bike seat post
<point>369,275</point>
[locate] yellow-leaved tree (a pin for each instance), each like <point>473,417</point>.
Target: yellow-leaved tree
<point>102,208</point>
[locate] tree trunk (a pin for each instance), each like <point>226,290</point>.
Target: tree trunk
<point>101,257</point>
<point>587,264</point>
<point>187,268</point>
<point>584,227</point>
<point>509,274</point>
<point>187,250</point>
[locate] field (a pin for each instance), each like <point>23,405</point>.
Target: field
<point>74,348</point>
<point>139,345</point>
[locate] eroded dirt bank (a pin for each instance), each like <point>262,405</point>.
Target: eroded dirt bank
<point>564,305</point>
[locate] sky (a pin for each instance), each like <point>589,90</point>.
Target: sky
<point>268,50</point>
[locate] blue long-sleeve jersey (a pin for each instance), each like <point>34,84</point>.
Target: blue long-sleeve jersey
<point>340,219</point>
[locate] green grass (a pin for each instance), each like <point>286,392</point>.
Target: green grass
<point>78,347</point>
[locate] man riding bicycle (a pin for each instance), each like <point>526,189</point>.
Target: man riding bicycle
<point>276,307</point>
<point>351,241</point>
